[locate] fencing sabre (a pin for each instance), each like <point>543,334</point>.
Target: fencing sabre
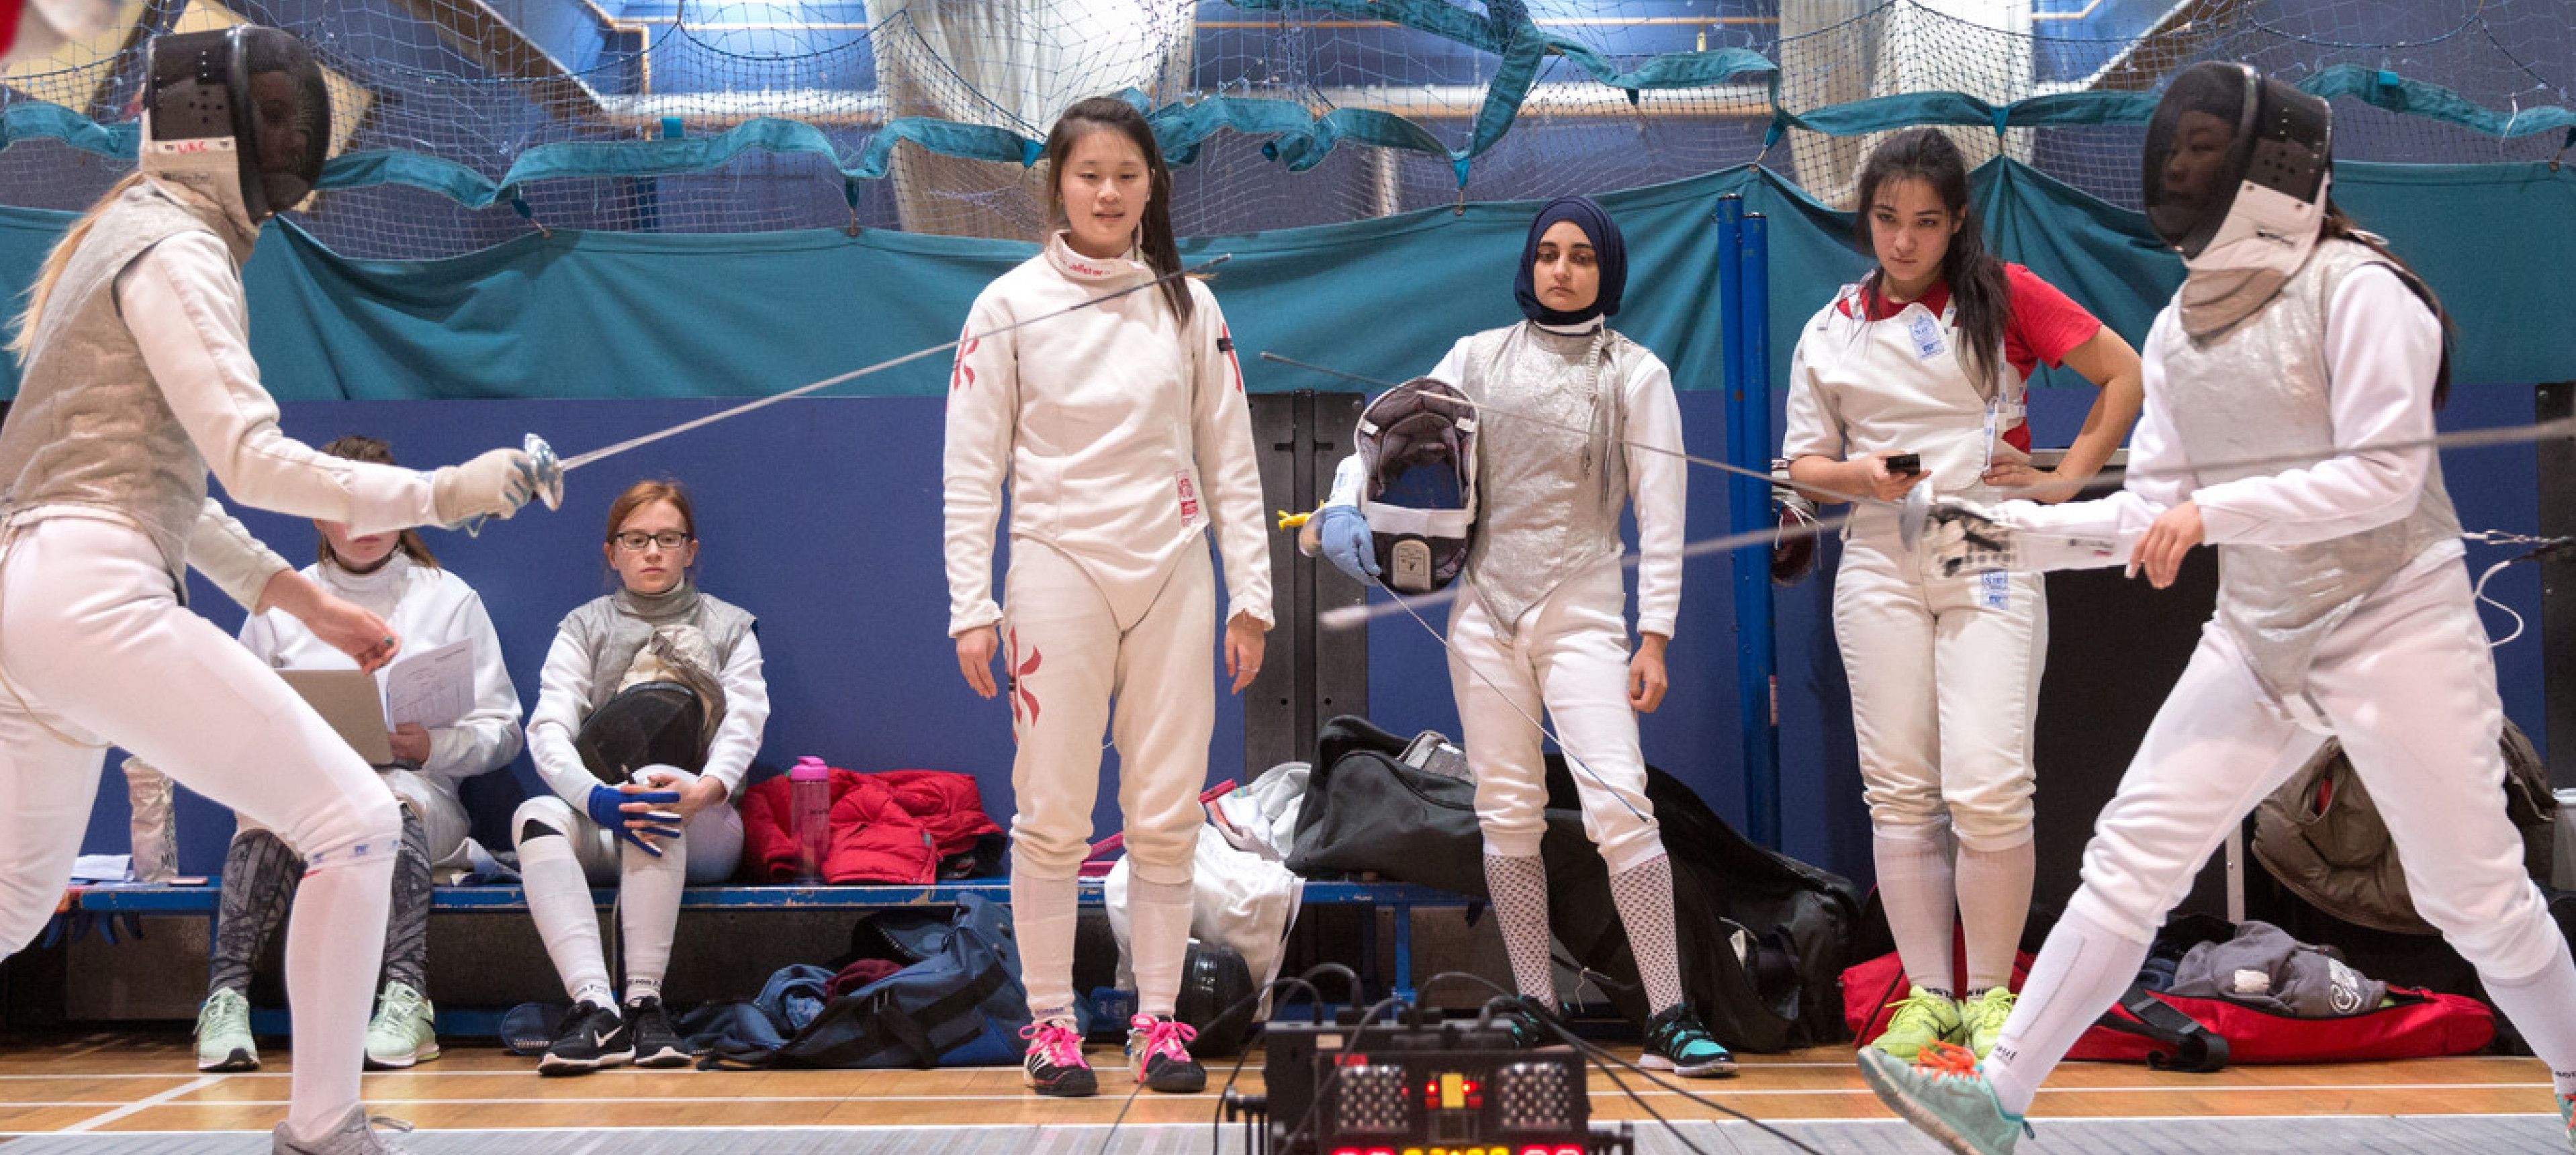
<point>605,452</point>
<point>1399,600</point>
<point>548,470</point>
<point>1915,512</point>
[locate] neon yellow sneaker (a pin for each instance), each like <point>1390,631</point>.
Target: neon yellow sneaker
<point>1981,1021</point>
<point>1922,1019</point>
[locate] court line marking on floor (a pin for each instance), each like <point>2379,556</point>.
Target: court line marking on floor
<point>870,1128</point>
<point>147,1103</point>
<point>630,1072</point>
<point>165,1098</point>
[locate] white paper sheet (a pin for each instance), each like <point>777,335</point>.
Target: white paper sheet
<point>434,688</point>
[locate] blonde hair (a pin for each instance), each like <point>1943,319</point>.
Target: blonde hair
<point>39,293</point>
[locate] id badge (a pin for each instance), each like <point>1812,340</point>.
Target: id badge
<point>1926,335</point>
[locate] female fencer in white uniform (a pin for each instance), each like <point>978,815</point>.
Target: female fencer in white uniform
<point>1125,435</point>
<point>1543,624</point>
<point>1927,357</point>
<point>136,380</point>
<point>2297,346</point>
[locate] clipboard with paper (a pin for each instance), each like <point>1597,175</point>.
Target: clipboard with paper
<point>434,688</point>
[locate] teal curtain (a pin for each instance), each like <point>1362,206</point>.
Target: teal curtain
<point>600,315</point>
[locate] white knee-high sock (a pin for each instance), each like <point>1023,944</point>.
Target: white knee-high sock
<point>2080,972</point>
<point>559,900</point>
<point>1917,887</point>
<point>333,940</point>
<point>648,911</point>
<point>1043,914</point>
<point>1158,915</point>
<point>1518,886</point>
<point>1994,902</point>
<point>2543,1008</point>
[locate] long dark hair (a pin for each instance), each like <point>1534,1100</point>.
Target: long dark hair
<point>2339,225</point>
<point>1975,276</point>
<point>1155,233</point>
<point>356,447</point>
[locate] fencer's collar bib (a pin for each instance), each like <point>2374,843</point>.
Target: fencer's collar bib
<point>387,576</point>
<point>676,604</point>
<point>226,218</point>
<point>1092,270</point>
<point>1578,329</point>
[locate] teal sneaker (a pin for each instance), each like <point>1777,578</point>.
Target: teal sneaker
<point>2567,1115</point>
<point>223,1034</point>
<point>1922,1019</point>
<point>1944,1096</point>
<point>1520,1019</point>
<point>1676,1042</point>
<point>1981,1021</point>
<point>404,1031</point>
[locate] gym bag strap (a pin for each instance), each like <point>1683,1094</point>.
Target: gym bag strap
<point>2195,1049</point>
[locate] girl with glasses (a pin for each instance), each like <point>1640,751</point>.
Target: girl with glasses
<point>648,829</point>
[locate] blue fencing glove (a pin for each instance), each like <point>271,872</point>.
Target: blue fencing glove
<point>1347,543</point>
<point>604,803</point>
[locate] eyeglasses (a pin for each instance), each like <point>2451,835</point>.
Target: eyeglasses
<point>639,542</point>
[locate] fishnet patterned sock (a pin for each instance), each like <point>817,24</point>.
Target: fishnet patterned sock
<point>1518,887</point>
<point>260,878</point>
<point>1644,893</point>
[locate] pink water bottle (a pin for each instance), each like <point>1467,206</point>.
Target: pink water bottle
<point>810,796</point>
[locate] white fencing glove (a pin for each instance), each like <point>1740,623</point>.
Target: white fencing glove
<point>1962,537</point>
<point>496,484</point>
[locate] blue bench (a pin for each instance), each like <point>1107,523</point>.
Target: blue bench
<point>127,903</point>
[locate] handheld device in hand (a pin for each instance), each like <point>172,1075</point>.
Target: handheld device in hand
<point>1905,463</point>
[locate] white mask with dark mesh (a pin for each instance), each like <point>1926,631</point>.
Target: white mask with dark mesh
<point>1418,442</point>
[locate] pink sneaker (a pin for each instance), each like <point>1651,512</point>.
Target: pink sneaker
<point>1158,1049</point>
<point>1054,1065</point>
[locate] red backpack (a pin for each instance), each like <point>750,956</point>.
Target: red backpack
<point>2203,1034</point>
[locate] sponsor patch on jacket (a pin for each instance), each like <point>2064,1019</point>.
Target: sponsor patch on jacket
<point>1189,497</point>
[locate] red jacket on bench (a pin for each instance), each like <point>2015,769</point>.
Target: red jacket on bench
<point>892,826</point>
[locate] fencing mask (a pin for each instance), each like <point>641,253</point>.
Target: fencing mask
<point>241,116</point>
<point>2236,172</point>
<point>1417,442</point>
<point>646,724</point>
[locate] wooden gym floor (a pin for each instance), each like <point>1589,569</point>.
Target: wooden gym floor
<point>140,1094</point>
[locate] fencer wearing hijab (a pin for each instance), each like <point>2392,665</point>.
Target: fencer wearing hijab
<point>136,380</point>
<point>1558,399</point>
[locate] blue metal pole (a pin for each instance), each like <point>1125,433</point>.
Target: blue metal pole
<point>1748,423</point>
<point>1750,679</point>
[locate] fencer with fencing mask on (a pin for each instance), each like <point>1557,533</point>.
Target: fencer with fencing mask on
<point>1556,401</point>
<point>2290,384</point>
<point>136,380</point>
